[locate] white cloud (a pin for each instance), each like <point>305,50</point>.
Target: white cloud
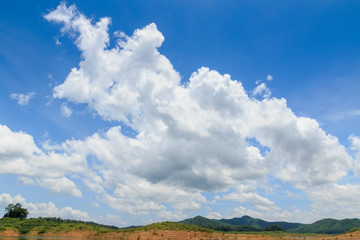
<point>65,110</point>
<point>258,201</point>
<point>267,215</point>
<point>44,209</point>
<point>269,77</point>
<point>57,42</point>
<point>355,147</point>
<point>327,200</point>
<point>135,206</point>
<point>112,220</point>
<point>61,185</point>
<point>22,99</point>
<point>191,139</point>
<point>262,90</point>
<point>171,216</point>
<point>247,193</point>
<point>355,143</point>
<point>19,155</point>
<point>213,215</point>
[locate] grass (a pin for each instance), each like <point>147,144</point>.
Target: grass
<point>172,226</point>
<point>43,225</point>
<point>38,226</point>
<point>354,230</point>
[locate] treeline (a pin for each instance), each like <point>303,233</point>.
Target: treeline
<point>225,227</point>
<point>243,228</point>
<point>249,224</point>
<point>60,220</point>
<point>329,226</point>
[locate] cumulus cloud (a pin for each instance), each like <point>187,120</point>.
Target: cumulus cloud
<point>355,143</point>
<point>260,202</point>
<point>269,77</point>
<point>61,185</point>
<point>44,209</point>
<point>22,99</point>
<point>19,155</point>
<point>355,147</point>
<point>190,139</point>
<point>326,201</point>
<point>169,215</point>
<point>193,136</point>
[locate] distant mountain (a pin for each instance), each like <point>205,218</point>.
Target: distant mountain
<point>259,223</point>
<point>246,223</point>
<point>204,222</point>
<point>216,224</point>
<point>328,225</point>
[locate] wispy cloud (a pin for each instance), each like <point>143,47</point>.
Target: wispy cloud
<point>65,110</point>
<point>22,99</point>
<point>343,115</point>
<point>57,42</point>
<point>269,77</point>
<point>261,90</point>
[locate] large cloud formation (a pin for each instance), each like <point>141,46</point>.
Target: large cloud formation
<point>207,135</point>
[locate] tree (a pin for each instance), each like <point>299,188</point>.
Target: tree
<point>274,228</point>
<point>16,211</point>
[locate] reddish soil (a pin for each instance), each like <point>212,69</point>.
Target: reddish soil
<point>182,235</point>
<point>9,233</point>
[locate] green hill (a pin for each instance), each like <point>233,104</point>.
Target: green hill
<point>201,224</point>
<point>38,226</point>
<point>172,226</point>
<point>217,225</point>
<point>246,223</point>
<point>43,225</point>
<point>258,223</point>
<point>328,225</point>
<point>205,222</point>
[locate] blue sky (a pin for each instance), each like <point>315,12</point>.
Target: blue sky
<point>130,112</point>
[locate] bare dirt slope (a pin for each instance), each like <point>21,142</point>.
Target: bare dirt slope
<point>9,233</point>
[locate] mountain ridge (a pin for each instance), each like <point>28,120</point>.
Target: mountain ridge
<point>259,223</point>
<point>247,223</point>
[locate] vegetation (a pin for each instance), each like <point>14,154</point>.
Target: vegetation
<point>15,219</point>
<point>354,230</point>
<point>39,226</point>
<point>16,211</point>
<point>218,225</point>
<point>258,223</point>
<point>60,220</point>
<point>274,228</point>
<point>172,226</point>
<point>249,224</point>
<point>328,226</point>
<point>43,225</point>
